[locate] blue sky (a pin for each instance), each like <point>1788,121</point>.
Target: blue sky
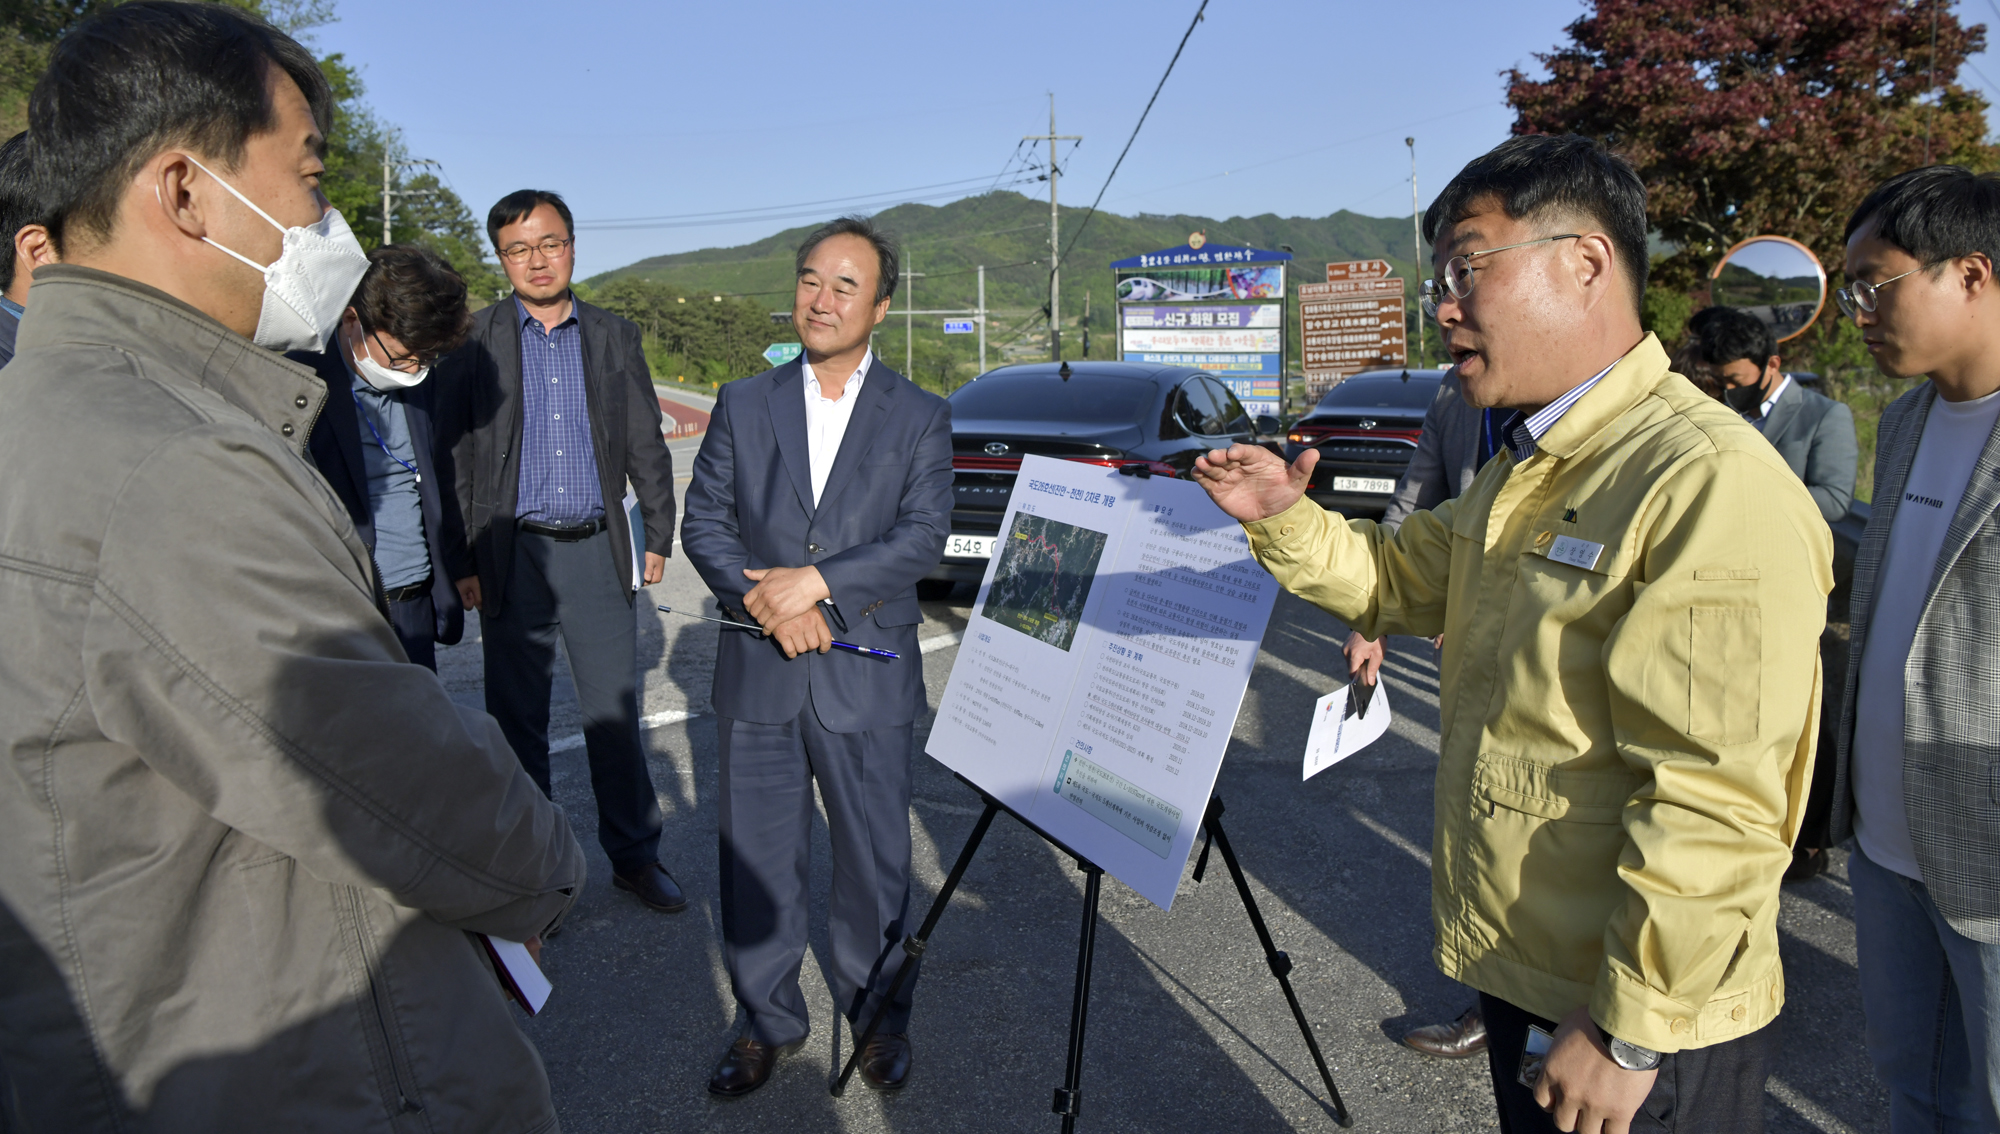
<point>669,109</point>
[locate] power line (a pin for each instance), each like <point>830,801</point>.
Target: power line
<point>1078,234</point>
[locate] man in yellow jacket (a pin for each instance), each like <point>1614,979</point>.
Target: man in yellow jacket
<point>1631,594</point>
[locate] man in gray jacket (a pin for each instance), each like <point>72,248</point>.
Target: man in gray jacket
<point>1812,432</point>
<point>1916,782</point>
<point>242,839</point>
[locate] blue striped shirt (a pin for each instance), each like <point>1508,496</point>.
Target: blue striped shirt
<point>1524,431</point>
<point>558,483</point>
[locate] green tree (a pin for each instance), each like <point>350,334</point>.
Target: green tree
<point>696,337</point>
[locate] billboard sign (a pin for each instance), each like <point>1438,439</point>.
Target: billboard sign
<point>1206,255</point>
<point>1163,318</point>
<point>1183,285</point>
<point>1215,363</point>
<point>1267,341</point>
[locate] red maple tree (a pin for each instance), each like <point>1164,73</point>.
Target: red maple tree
<point>1748,117</point>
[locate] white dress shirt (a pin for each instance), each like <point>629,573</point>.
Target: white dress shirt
<point>826,421</point>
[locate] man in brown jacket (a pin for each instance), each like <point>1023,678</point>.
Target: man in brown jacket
<point>241,837</point>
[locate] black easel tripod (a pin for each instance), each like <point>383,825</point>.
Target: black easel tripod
<point>1069,1096</point>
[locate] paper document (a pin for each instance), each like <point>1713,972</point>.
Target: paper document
<point>637,526</point>
<point>1105,658</point>
<point>519,972</point>
<point>1344,722</point>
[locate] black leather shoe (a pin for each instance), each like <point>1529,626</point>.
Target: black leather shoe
<point>652,885</point>
<point>746,1066</point>
<point>1807,864</point>
<point>1463,1037</point>
<point>885,1062</point>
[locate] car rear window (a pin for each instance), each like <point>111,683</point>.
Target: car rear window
<point>1084,399</point>
<point>1386,392</point>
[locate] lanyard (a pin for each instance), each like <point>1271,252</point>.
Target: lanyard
<point>370,423</point>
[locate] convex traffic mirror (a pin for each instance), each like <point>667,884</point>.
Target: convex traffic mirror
<point>1774,278</point>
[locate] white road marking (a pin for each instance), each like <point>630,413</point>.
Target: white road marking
<point>1390,836</point>
<point>1806,1108</point>
<point>941,642</point>
<point>646,724</point>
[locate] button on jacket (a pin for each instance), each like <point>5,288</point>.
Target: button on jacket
<point>1631,620</point>
<point>240,836</point>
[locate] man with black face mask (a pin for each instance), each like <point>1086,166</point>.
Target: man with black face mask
<point>1812,432</point>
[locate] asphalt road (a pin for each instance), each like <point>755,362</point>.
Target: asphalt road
<point>1187,1029</point>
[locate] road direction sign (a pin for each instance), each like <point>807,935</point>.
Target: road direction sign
<point>777,354</point>
<point>1349,288</point>
<point>1347,335</point>
<point>958,326</point>
<point>1357,270</point>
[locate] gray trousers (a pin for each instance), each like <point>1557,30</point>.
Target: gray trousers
<point>766,809</point>
<point>569,591</point>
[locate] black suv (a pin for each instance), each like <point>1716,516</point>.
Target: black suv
<point>1159,418</point>
<point>1365,429</point>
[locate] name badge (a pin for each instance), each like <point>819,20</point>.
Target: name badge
<point>1576,552</point>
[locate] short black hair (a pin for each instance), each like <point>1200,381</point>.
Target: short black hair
<point>141,77</point>
<point>1536,175</point>
<point>517,205</point>
<point>886,256</point>
<point>1936,213</point>
<point>412,294</point>
<point>21,200</point>
<point>1722,335</point>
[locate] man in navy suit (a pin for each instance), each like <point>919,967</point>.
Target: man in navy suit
<point>374,441</point>
<point>821,494</point>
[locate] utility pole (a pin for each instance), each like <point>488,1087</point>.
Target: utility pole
<point>1416,243</point>
<point>1055,244</point>
<point>982,318</point>
<point>909,321</point>
<point>1086,322</point>
<point>390,193</point>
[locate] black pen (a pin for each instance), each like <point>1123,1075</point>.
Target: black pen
<point>848,646</point>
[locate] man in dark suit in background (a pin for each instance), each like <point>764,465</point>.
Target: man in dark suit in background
<point>822,491</point>
<point>1812,432</point>
<point>374,441</point>
<point>554,412</point>
<point>24,236</point>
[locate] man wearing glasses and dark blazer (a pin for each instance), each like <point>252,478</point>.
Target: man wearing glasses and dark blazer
<point>553,412</point>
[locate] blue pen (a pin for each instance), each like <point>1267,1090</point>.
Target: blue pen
<point>848,646</point>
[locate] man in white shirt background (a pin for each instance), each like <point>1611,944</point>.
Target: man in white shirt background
<point>1918,743</point>
<point>821,494</point>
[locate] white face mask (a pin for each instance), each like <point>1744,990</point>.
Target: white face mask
<point>310,283</point>
<point>383,378</point>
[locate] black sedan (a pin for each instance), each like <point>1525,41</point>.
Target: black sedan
<point>1366,431</point>
<point>1117,414</point>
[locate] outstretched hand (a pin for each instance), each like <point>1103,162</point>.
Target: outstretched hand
<point>1251,483</point>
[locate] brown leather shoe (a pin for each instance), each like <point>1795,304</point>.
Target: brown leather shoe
<point>1463,1037</point>
<point>885,1062</point>
<point>652,885</point>
<point>746,1066</point>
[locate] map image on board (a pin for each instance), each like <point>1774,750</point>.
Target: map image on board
<point>1043,578</point>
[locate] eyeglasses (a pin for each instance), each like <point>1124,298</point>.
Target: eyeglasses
<point>1859,296</point>
<point>1457,278</point>
<point>550,249</point>
<point>408,364</point>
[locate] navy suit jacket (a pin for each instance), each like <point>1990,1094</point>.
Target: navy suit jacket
<point>335,445</point>
<point>880,526</point>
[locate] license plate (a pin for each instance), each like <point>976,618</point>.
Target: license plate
<point>1363,484</point>
<point>970,546</point>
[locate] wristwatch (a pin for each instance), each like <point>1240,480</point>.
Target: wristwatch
<point>1628,1055</point>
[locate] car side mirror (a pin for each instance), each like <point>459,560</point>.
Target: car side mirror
<point>1266,424</point>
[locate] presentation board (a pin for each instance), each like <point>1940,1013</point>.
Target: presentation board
<point>1107,654</point>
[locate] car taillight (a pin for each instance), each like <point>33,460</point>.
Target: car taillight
<point>1013,464</point>
<point>987,464</point>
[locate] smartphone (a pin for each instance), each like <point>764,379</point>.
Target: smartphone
<point>1534,1056</point>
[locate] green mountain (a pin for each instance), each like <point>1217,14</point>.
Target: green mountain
<point>1009,233</point>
